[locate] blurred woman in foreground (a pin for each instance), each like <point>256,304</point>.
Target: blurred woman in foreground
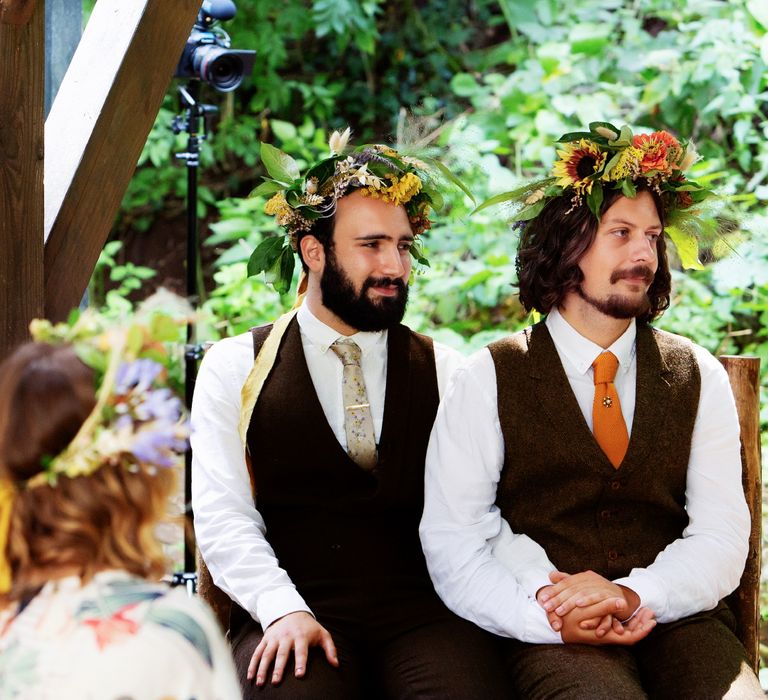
<point>84,480</point>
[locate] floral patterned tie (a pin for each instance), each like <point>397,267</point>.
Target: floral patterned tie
<point>358,422</point>
<point>608,424</point>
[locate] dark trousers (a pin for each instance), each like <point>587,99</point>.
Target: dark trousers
<point>697,658</point>
<point>429,654</point>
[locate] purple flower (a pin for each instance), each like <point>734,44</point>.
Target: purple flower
<point>159,404</point>
<point>157,442</point>
<point>138,374</point>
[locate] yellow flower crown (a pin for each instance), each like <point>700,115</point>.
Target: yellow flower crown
<point>605,157</point>
<point>298,201</point>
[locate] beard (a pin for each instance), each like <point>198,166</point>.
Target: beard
<point>618,306</point>
<point>356,309</point>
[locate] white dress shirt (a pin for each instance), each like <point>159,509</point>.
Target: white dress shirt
<point>229,529</point>
<point>488,574</point>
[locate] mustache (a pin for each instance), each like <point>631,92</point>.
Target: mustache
<point>383,282</point>
<point>641,271</point>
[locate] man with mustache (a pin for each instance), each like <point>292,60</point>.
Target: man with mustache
<point>583,476</point>
<point>316,540</point>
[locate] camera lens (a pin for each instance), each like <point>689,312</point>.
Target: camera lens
<point>221,68</point>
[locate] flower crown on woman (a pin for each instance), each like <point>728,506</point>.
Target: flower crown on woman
<point>137,419</point>
<point>137,422</point>
<point>298,201</point>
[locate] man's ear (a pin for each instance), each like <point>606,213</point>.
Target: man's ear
<point>313,253</point>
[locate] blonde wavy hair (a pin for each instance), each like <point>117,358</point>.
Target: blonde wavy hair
<point>81,525</point>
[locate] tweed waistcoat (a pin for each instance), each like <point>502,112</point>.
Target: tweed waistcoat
<point>557,485</point>
<point>329,521</point>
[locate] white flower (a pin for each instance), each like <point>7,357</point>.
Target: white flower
<point>338,141</point>
<point>690,157</point>
<point>605,131</point>
<point>311,186</point>
<point>366,178</point>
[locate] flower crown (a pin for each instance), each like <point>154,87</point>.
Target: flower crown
<point>137,421</point>
<point>298,201</point>
<point>590,162</point>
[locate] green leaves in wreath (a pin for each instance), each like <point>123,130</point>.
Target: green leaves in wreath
<point>279,165</point>
<point>275,258</point>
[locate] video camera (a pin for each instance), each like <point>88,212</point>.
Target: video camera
<point>207,55</point>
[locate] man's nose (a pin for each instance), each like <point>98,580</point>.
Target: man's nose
<point>643,248</point>
<point>392,262</point>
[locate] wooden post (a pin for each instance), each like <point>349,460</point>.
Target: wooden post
<point>98,124</point>
<point>22,49</point>
<point>744,375</point>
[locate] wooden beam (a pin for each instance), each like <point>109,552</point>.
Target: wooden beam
<point>744,376</point>
<point>98,124</point>
<point>22,49</point>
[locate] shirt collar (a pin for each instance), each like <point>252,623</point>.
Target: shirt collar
<point>581,351</point>
<point>323,336</point>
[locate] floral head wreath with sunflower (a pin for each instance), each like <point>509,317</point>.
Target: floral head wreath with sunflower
<point>138,422</point>
<point>298,201</point>
<point>605,157</point>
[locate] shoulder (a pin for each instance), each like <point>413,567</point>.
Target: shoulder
<point>511,346</point>
<point>679,348</point>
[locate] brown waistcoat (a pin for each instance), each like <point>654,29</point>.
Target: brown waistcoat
<point>558,487</point>
<point>330,522</point>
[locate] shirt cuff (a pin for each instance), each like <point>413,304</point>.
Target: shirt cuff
<point>649,590</point>
<point>533,580</point>
<point>278,603</point>
<point>537,627</point>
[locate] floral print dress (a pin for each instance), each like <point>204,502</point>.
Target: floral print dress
<point>118,637</point>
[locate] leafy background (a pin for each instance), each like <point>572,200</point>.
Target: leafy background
<point>489,85</point>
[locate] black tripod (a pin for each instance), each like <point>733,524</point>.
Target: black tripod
<point>193,120</point>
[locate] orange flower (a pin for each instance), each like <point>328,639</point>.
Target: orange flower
<point>661,151</point>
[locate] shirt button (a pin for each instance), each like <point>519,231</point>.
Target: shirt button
<point>615,485</point>
<point>613,555</point>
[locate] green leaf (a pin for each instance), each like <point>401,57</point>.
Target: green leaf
<point>280,273</point>
<point>163,328</point>
<point>448,175</point>
<point>265,255</point>
<point>628,188</point>
<point>595,199</point>
<point>687,248</point>
<point>575,136</point>
<point>530,212</point>
<point>285,131</point>
<point>464,85</point>
<point>612,163</point>
<point>279,165</point>
<point>267,188</point>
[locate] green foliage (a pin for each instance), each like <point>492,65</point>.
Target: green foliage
<point>490,85</point>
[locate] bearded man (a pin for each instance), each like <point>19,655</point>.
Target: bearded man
<point>316,538</point>
<point>583,477</point>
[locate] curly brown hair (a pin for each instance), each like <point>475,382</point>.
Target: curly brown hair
<point>105,520</point>
<point>552,244</point>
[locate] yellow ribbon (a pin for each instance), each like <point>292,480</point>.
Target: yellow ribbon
<point>7,492</point>
<point>262,366</point>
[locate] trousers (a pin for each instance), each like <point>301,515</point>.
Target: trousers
<point>696,658</point>
<point>430,655</point>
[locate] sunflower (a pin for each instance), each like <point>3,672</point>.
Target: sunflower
<point>577,163</point>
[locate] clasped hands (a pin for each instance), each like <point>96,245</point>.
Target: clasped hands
<point>587,608</point>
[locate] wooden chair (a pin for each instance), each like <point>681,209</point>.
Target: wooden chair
<point>744,375</point>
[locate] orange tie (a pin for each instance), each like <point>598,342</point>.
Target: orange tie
<point>608,424</point>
